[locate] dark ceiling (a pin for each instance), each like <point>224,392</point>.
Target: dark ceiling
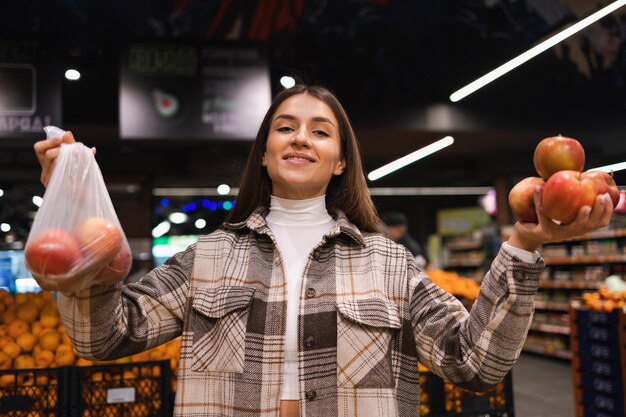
<point>392,63</point>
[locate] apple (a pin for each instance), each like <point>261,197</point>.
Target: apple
<point>100,240</point>
<point>565,193</point>
<point>604,183</point>
<point>521,198</point>
<point>52,252</point>
<point>558,153</point>
<point>117,269</point>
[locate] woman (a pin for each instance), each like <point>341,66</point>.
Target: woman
<point>298,305</point>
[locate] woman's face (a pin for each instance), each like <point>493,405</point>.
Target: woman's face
<point>303,148</point>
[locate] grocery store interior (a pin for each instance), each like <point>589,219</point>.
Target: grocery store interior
<point>171,94</point>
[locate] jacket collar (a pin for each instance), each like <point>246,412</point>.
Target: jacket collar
<point>256,222</point>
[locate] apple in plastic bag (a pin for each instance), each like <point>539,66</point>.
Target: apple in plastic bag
<point>52,252</point>
<point>117,269</point>
<point>565,193</point>
<point>558,153</point>
<point>603,183</point>
<point>521,198</point>
<point>100,240</point>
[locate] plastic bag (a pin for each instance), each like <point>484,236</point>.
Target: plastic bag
<point>76,239</point>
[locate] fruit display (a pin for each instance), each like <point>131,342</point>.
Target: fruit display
<point>604,300</point>
<point>455,284</point>
<point>566,188</point>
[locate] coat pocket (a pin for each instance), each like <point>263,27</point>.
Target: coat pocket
<point>218,326</point>
<point>364,334</point>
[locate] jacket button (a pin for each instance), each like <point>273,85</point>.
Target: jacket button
<point>310,395</point>
<point>310,292</point>
<point>309,341</point>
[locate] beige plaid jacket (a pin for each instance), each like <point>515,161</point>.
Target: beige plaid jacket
<point>367,314</point>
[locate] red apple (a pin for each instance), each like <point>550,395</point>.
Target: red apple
<point>521,198</point>
<point>99,239</point>
<point>52,252</point>
<point>558,153</point>
<point>565,193</point>
<point>117,269</point>
<point>603,183</point>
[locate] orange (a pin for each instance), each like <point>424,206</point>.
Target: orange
<point>7,380</point>
<point>49,321</point>
<point>36,328</point>
<point>4,340</point>
<point>64,358</point>
<point>12,349</point>
<point>24,362</point>
<point>27,341</point>
<point>27,312</point>
<point>45,295</point>
<point>21,297</point>
<point>83,362</point>
<point>5,361</point>
<point>17,327</point>
<point>44,359</point>
<point>50,340</point>
<point>9,315</point>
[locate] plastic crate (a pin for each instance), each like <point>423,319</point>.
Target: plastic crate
<point>122,390</point>
<point>445,399</point>
<point>34,392</point>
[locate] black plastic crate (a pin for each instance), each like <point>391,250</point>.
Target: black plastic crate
<point>140,389</point>
<point>34,392</point>
<point>447,400</point>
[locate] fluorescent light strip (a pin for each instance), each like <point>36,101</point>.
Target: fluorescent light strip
<point>534,51</point>
<point>410,158</point>
<point>189,191</point>
<point>402,191</point>
<point>610,168</point>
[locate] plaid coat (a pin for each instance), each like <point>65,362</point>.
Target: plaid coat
<point>367,314</point>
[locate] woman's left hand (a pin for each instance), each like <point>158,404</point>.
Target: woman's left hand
<point>529,236</point>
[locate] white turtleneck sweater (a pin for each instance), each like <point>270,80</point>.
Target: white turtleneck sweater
<point>298,226</point>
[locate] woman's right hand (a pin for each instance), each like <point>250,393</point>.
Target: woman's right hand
<point>47,151</point>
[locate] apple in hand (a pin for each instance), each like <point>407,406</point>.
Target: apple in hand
<point>603,183</point>
<point>100,240</point>
<point>117,269</point>
<point>521,198</point>
<point>565,193</point>
<point>52,252</point>
<point>558,153</point>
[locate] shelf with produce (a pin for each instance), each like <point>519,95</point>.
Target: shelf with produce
<point>572,285</point>
<point>575,260</point>
<point>600,234</point>
<point>550,328</point>
<point>551,305</point>
<point>561,354</point>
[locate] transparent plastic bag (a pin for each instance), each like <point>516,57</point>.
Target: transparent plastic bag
<point>76,239</point>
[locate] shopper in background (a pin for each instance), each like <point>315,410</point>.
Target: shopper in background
<point>397,230</point>
<point>298,304</point>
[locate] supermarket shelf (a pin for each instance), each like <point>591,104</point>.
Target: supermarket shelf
<point>600,234</point>
<point>550,328</point>
<point>572,285</point>
<point>464,245</point>
<point>464,264</point>
<point>561,354</point>
<point>551,305</point>
<point>572,260</point>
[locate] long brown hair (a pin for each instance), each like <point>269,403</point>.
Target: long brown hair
<point>346,192</point>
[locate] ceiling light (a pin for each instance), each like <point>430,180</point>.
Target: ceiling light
<point>223,189</point>
<point>72,75</point>
<point>178,217</point>
<point>534,51</point>
<point>5,227</point>
<point>161,229</point>
<point>287,81</point>
<point>200,224</point>
<point>410,158</point>
<point>37,200</point>
<point>610,168</point>
<point>428,191</point>
<point>1,192</point>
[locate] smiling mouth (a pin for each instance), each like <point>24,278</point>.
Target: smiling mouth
<point>298,158</point>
